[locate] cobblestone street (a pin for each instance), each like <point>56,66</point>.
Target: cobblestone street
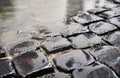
<point>88,46</point>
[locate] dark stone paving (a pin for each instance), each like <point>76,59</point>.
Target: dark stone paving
<point>102,27</point>
<point>85,19</point>
<point>116,65</point>
<point>115,21</point>
<point>72,60</point>
<point>93,71</point>
<point>106,54</point>
<point>6,69</point>
<point>113,38</point>
<point>21,46</point>
<point>31,63</point>
<point>74,29</point>
<point>85,40</point>
<point>110,14</point>
<point>57,45</point>
<point>88,47</point>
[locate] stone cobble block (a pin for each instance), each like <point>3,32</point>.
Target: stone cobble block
<point>21,46</point>
<point>86,19</point>
<point>113,38</point>
<point>57,45</point>
<point>31,64</point>
<point>115,21</point>
<point>72,60</point>
<point>102,27</point>
<point>85,40</point>
<point>106,54</point>
<point>93,71</point>
<point>74,29</point>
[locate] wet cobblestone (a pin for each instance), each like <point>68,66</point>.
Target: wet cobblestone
<point>57,45</point>
<point>102,27</point>
<point>85,19</point>
<point>6,69</point>
<point>87,47</point>
<point>113,38</point>
<point>31,64</point>
<point>93,71</point>
<point>72,60</point>
<point>115,21</point>
<point>86,40</point>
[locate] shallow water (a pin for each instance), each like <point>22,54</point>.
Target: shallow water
<point>25,15</point>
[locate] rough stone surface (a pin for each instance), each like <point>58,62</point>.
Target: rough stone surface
<point>110,14</point>
<point>115,21</point>
<point>74,29</point>
<point>22,46</point>
<point>116,65</point>
<point>101,27</point>
<point>97,10</point>
<point>57,45</point>
<point>56,75</point>
<point>85,40</point>
<point>110,5</point>
<point>80,44</point>
<point>72,60</point>
<point>6,69</point>
<point>93,71</point>
<point>32,63</point>
<point>106,54</point>
<point>113,38</point>
<point>86,19</point>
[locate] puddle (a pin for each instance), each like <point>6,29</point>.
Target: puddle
<point>22,15</point>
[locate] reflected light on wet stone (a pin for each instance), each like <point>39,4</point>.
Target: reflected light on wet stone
<point>32,63</point>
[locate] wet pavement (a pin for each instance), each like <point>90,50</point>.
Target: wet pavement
<point>57,39</point>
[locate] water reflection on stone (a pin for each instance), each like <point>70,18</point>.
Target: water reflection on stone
<point>73,6</point>
<point>31,62</point>
<point>22,15</point>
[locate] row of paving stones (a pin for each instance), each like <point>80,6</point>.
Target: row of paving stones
<point>87,48</point>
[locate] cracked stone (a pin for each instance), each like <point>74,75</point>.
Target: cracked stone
<point>113,38</point>
<point>55,75</point>
<point>116,65</point>
<point>106,54</point>
<point>72,60</point>
<point>85,40</point>
<point>85,19</point>
<point>21,46</point>
<point>32,64</point>
<point>115,21</point>
<point>6,69</point>
<point>102,27</point>
<point>93,71</point>
<point>74,29</point>
<point>57,45</point>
